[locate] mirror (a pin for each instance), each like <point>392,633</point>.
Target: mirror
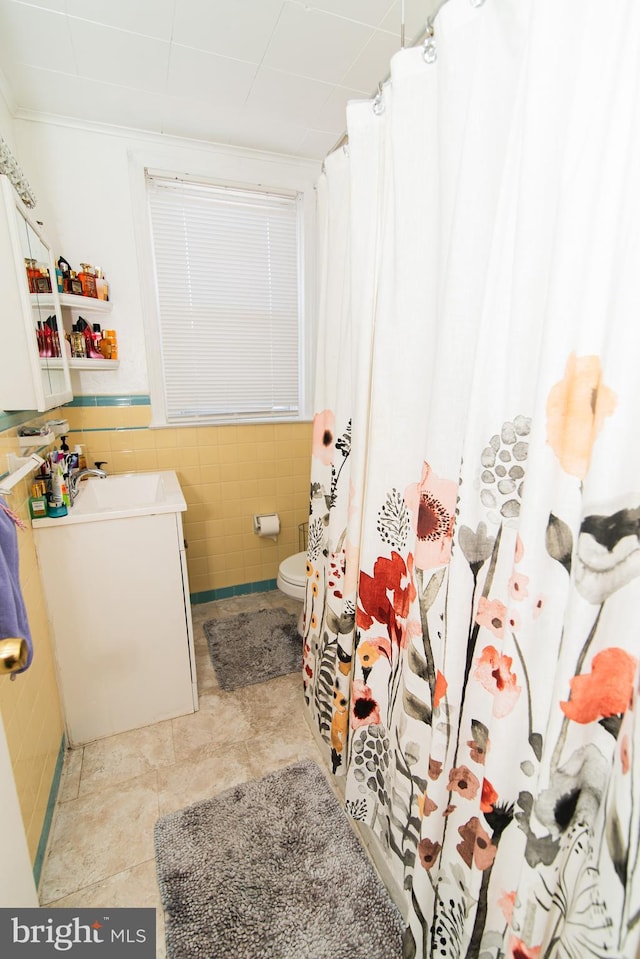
<point>34,372</point>
<point>40,273</point>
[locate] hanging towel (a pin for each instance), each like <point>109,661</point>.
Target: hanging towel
<point>13,613</point>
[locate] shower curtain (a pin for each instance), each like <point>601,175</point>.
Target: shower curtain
<point>473,575</point>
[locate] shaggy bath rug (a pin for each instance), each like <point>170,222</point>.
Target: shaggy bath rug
<point>254,647</point>
<point>271,869</point>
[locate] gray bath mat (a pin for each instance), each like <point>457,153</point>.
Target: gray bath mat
<point>271,869</point>
<point>254,647</point>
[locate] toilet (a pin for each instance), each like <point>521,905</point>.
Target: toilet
<point>292,577</point>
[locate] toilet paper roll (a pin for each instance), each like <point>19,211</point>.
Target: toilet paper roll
<point>267,525</point>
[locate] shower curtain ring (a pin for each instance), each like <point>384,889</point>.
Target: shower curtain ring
<point>378,105</point>
<point>429,52</point>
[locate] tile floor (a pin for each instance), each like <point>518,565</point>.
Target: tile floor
<point>101,850</point>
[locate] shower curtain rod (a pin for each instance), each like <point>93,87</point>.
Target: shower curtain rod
<point>415,42</point>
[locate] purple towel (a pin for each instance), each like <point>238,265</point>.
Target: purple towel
<point>13,613</point>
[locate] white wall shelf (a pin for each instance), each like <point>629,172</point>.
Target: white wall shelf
<point>76,302</point>
<point>80,363</point>
<point>77,363</point>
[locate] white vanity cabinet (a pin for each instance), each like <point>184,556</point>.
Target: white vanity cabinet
<point>117,595</point>
<point>28,381</point>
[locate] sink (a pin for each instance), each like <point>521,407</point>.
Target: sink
<point>117,492</point>
<point>121,495</point>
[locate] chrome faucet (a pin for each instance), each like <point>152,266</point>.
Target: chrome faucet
<point>76,476</point>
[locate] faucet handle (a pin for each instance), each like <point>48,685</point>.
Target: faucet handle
<point>100,463</point>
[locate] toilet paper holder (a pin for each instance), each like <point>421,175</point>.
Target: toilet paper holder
<point>267,525</point>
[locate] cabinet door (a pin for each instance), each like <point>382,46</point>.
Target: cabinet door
<point>119,629</point>
<point>34,372</point>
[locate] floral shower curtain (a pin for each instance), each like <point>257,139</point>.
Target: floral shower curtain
<point>471,638</point>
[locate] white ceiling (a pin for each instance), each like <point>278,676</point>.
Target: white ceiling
<point>268,74</point>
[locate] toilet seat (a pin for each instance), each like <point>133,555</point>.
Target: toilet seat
<point>292,575</point>
<point>293,569</point>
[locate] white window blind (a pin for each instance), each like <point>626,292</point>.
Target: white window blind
<point>228,283</point>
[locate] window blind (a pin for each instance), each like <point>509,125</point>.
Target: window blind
<point>227,267</point>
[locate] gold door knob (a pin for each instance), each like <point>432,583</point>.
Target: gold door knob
<point>13,655</point>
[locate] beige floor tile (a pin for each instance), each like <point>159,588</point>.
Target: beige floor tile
<point>221,608</point>
<point>71,772</point>
<point>96,836</point>
<point>128,755</point>
<point>137,886</point>
<point>189,782</point>
<point>223,719</point>
<point>207,681</point>
<point>112,792</point>
<point>278,703</point>
<point>277,748</point>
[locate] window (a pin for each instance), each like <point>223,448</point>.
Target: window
<point>228,272</point>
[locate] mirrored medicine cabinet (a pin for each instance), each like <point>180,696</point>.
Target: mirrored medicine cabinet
<point>34,370</point>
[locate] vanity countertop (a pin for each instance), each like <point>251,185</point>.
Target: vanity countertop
<point>120,496</point>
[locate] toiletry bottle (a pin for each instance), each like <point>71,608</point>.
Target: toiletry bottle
<point>55,336</point>
<point>82,460</point>
<point>57,505</point>
<point>64,479</point>
<point>105,345</point>
<point>65,271</point>
<point>102,287</point>
<point>48,339</point>
<point>88,279</point>
<point>38,499</point>
<point>43,281</point>
<point>66,469</point>
<point>63,444</point>
<point>85,329</point>
<point>78,343</point>
<point>31,267</point>
<point>110,336</point>
<point>96,336</point>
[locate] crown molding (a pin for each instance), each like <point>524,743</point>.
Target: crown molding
<point>166,139</point>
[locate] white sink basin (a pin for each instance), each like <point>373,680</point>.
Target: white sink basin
<point>121,491</point>
<point>120,496</point>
